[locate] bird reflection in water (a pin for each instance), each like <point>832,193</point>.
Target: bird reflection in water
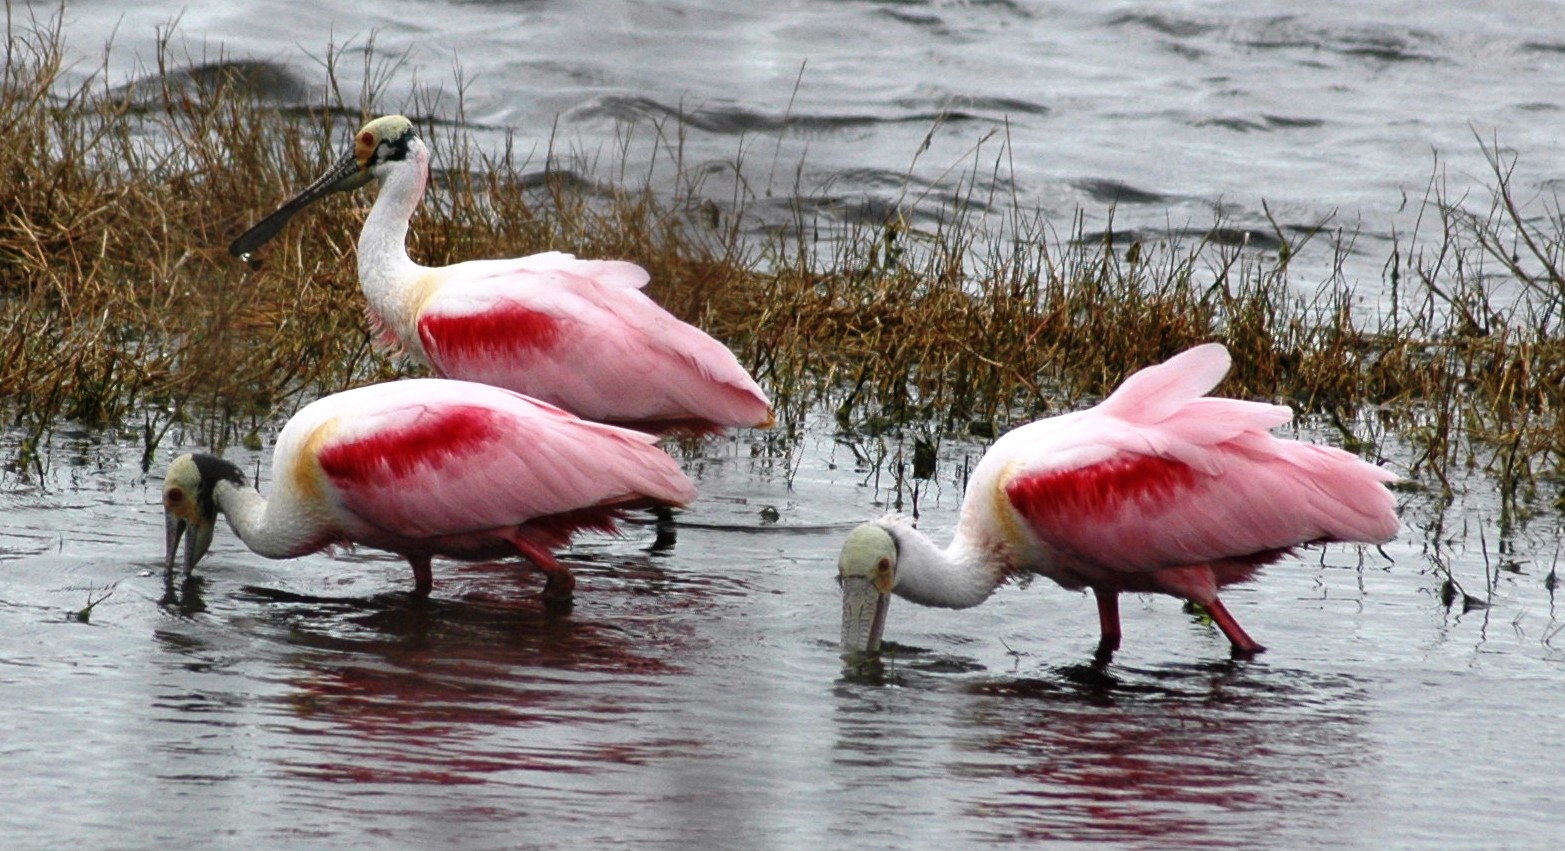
<point>182,594</point>
<point>1209,753</point>
<point>478,686</point>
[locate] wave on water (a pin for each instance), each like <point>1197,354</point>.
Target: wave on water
<point>268,82</point>
<point>738,120</point>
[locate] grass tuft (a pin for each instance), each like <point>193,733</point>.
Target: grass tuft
<point>122,309</point>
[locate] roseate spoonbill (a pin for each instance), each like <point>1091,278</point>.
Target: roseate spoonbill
<point>579,334</point>
<point>1158,488</point>
<point>427,467</point>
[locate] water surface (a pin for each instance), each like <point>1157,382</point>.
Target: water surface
<point>695,697</point>
<point>1150,118</point>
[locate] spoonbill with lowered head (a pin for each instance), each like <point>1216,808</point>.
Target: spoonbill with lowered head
<point>1157,489</point>
<point>427,467</point>
<point>576,333</point>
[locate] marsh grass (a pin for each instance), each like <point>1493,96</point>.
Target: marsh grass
<point>123,310</point>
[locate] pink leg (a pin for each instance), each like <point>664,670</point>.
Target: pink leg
<point>558,583</point>
<point>423,579</point>
<point>1108,623</point>
<point>1241,640</point>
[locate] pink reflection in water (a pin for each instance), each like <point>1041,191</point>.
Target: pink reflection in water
<point>484,687</point>
<point>1180,755</point>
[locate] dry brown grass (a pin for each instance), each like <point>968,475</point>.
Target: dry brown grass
<point>120,303</point>
<point>121,306</point>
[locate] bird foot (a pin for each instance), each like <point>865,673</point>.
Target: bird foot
<point>665,529</point>
<point>558,595</point>
<point>1247,651</point>
<point>1102,656</point>
<point>558,605</point>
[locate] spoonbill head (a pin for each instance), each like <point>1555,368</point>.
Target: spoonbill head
<point>867,570</point>
<point>424,468</point>
<point>383,140</point>
<point>1159,488</point>
<point>576,333</point>
<point>190,506</point>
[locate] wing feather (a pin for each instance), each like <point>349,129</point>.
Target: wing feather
<point>430,458</point>
<point>1158,476</point>
<point>601,349</point>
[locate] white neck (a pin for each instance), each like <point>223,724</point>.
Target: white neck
<point>267,530</point>
<point>386,273</point>
<point>958,577</point>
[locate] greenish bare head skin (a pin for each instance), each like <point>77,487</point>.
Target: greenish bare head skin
<point>190,505</point>
<point>383,140</point>
<point>867,571</point>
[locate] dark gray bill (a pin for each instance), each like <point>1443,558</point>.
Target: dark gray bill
<point>173,528</point>
<point>344,175</point>
<point>198,538</point>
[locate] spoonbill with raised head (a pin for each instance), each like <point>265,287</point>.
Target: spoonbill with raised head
<point>576,333</point>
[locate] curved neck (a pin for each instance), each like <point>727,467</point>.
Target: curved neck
<point>263,531</point>
<point>384,266</point>
<point>957,577</point>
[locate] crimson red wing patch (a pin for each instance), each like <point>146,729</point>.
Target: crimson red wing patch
<point>505,329</point>
<point>1100,490</point>
<point>431,440</point>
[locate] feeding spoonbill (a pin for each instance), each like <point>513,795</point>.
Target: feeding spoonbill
<point>1159,488</point>
<point>427,467</point>
<point>579,334</point>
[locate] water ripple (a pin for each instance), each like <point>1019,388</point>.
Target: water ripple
<point>738,120</point>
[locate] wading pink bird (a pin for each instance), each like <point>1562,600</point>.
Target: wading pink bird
<point>579,334</point>
<point>1158,488</point>
<point>427,467</point>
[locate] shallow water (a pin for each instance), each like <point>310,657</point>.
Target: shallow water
<point>695,696</point>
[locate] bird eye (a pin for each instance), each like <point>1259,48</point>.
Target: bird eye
<point>883,567</point>
<point>367,139</point>
<point>174,496</point>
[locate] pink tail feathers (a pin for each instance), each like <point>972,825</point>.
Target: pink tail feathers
<point>733,398</point>
<point>744,407</point>
<point>654,474</point>
<point>1349,493</point>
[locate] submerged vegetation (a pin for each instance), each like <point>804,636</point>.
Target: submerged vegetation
<point>122,308</point>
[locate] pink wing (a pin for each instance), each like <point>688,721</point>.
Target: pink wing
<point>598,348</point>
<point>1157,476</point>
<point>429,458</point>
<point>612,273</point>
